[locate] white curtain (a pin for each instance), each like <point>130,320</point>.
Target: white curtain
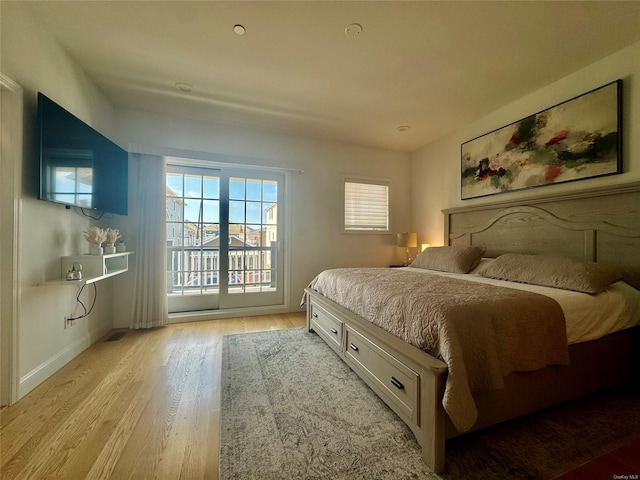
<point>149,210</point>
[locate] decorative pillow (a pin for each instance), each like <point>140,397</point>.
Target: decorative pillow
<point>454,259</point>
<point>558,272</point>
<point>480,264</point>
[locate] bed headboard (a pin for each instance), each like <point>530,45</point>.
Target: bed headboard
<point>600,225</point>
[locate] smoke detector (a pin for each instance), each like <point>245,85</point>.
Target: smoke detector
<point>353,30</point>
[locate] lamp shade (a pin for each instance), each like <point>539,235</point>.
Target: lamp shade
<point>408,240</point>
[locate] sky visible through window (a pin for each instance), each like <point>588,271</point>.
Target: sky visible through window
<point>248,198</point>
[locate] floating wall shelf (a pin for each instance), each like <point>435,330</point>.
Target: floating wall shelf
<point>94,267</point>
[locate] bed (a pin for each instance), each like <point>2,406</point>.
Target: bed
<point>599,225</point>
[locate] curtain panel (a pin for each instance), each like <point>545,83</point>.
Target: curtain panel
<point>149,215</point>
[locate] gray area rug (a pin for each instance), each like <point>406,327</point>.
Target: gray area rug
<point>292,409</point>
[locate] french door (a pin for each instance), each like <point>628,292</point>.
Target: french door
<point>224,238</point>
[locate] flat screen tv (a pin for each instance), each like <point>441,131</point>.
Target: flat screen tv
<point>79,166</point>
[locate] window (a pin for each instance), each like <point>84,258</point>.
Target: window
<point>366,206</point>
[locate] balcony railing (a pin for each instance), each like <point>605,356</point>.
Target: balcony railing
<point>196,270</point>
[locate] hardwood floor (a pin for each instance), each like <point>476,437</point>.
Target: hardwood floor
<point>623,464</point>
<point>145,406</point>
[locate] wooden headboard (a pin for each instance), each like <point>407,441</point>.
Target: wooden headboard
<point>601,225</point>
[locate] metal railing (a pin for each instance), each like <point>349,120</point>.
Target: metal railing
<point>196,270</point>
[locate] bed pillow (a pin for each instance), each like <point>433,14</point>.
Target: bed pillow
<point>549,271</point>
<point>480,264</point>
<point>454,259</point>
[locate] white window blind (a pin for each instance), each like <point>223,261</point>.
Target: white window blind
<point>366,206</point>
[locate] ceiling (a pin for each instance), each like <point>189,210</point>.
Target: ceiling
<point>433,66</point>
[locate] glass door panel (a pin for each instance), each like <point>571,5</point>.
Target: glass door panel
<point>193,239</point>
<point>255,241</point>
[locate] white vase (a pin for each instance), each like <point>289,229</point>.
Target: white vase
<point>121,247</point>
<point>95,250</point>
<point>109,248</point>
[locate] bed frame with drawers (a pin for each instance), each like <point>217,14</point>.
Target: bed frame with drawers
<point>595,225</point>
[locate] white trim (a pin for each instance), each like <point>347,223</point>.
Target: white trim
<point>287,238</point>
<point>232,313</point>
<point>12,208</point>
<point>43,371</point>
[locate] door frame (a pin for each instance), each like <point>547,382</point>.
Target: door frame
<point>253,300</point>
<point>241,166</point>
<point>11,213</point>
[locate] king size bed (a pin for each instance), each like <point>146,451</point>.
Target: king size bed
<point>526,306</point>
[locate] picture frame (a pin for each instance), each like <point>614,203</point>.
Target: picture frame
<point>574,140</point>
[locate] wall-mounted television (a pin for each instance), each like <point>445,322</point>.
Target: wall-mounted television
<point>79,167</point>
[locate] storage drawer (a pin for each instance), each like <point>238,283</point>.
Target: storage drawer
<point>327,326</point>
<point>390,378</point>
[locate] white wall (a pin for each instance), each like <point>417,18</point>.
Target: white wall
<point>435,169</point>
<point>33,59</point>
<point>316,240</point>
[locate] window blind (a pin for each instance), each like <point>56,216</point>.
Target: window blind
<point>366,206</point>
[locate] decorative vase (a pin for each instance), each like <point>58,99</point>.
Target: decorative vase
<point>121,247</point>
<point>109,248</point>
<point>95,250</point>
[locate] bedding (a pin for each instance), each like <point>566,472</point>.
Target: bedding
<point>551,271</point>
<point>497,330</point>
<point>587,316</point>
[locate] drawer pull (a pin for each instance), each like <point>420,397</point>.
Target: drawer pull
<point>353,347</point>
<point>315,315</point>
<point>333,330</point>
<point>397,383</point>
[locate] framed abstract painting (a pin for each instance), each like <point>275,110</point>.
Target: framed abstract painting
<point>574,140</point>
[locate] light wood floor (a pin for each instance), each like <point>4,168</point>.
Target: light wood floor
<point>147,406</point>
<point>143,407</point>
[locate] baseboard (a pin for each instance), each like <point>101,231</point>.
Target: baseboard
<point>43,371</point>
<point>232,313</point>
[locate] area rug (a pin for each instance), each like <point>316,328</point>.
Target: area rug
<point>292,409</point>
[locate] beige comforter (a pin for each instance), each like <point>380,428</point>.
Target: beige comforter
<point>482,332</point>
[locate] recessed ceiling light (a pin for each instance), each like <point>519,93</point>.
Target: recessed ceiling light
<point>403,128</point>
<point>353,30</point>
<point>239,29</point>
<point>184,87</point>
